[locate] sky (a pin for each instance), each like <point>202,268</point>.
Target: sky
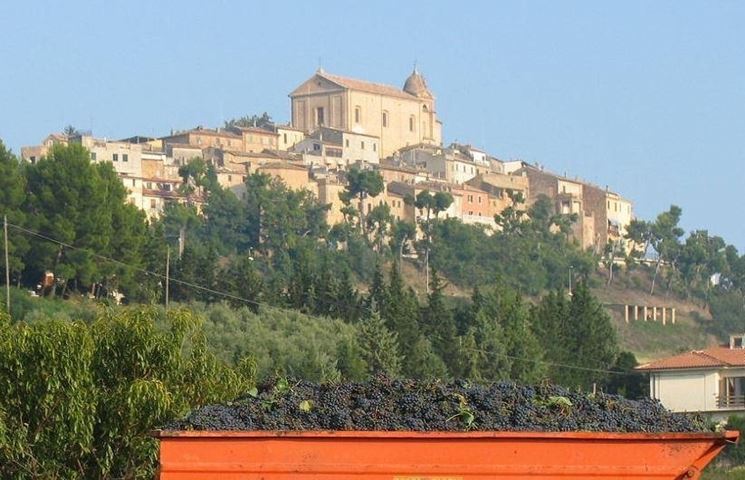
<point>645,97</point>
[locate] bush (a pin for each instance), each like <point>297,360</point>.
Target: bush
<point>80,399</point>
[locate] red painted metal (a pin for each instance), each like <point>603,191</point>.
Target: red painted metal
<point>190,455</point>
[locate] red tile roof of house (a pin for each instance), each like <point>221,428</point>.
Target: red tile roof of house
<point>709,358</point>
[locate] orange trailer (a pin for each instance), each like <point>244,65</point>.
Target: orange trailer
<point>342,455</point>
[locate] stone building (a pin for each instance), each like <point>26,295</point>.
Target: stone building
<point>571,196</point>
<point>206,137</point>
<point>340,148</point>
<point>399,117</point>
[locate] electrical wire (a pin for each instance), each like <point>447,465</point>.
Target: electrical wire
<point>139,269</point>
<point>259,304</point>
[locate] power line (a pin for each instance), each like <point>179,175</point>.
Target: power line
<point>139,269</point>
<point>258,304</point>
<point>555,364</point>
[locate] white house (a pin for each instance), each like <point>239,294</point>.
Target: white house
<point>711,381</point>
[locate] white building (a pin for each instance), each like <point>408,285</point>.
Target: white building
<point>710,381</point>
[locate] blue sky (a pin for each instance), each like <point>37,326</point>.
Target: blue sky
<point>646,97</point>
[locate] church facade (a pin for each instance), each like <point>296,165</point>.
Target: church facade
<point>399,117</point>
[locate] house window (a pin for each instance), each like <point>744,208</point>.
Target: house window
<point>357,114</point>
<point>316,146</point>
<point>133,182</point>
<point>375,147</point>
<point>125,157</point>
<point>152,204</point>
<point>284,135</point>
<point>319,116</point>
<point>115,157</point>
<point>93,157</point>
<point>230,178</point>
<point>149,185</point>
<point>479,199</point>
<point>411,123</point>
<point>362,145</point>
<point>385,119</point>
<point>346,143</point>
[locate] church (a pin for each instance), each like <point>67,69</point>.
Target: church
<point>399,117</point>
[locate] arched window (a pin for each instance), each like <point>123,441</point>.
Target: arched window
<point>425,109</point>
<point>411,123</point>
<point>357,114</point>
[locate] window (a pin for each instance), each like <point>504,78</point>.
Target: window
<point>385,119</point>
<point>230,178</point>
<point>125,157</point>
<point>284,135</point>
<point>93,157</point>
<point>316,146</point>
<point>133,182</point>
<point>357,114</point>
<point>375,147</point>
<point>149,185</point>
<point>319,116</point>
<point>115,157</point>
<point>346,143</point>
<point>362,145</point>
<point>479,198</point>
<point>411,123</point>
<point>152,204</point>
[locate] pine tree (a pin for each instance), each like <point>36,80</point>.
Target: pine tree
<point>401,312</point>
<point>12,199</point>
<point>423,363</point>
<point>520,343</point>
<point>379,345</point>
<point>438,322</point>
<point>591,338</point>
<point>550,320</point>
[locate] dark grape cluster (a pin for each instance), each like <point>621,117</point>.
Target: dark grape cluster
<point>396,405</point>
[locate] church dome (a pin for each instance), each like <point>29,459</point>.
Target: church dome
<point>417,86</point>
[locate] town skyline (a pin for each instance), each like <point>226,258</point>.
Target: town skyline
<point>613,113</point>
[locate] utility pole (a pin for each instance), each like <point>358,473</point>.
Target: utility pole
<point>7,264</point>
<point>168,271</point>
<point>571,269</point>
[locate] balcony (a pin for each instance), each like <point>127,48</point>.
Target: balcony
<point>731,401</point>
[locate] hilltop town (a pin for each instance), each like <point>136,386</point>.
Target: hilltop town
<point>338,123</point>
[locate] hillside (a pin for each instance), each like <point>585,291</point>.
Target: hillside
<point>648,339</point>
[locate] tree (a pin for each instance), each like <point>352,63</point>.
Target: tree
<point>378,223</point>
<point>665,239</point>
<point>79,400</point>
<point>12,201</point>
<point>362,184</point>
<point>380,348</point>
<point>591,339</point>
<point>70,131</point>
<point>438,323</point>
<point>79,204</point>
<point>401,314</point>
<point>260,121</point>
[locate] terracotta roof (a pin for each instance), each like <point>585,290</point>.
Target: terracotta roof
<point>711,357</point>
<point>365,86</point>
<point>282,165</point>
<point>205,131</point>
<point>258,130</point>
